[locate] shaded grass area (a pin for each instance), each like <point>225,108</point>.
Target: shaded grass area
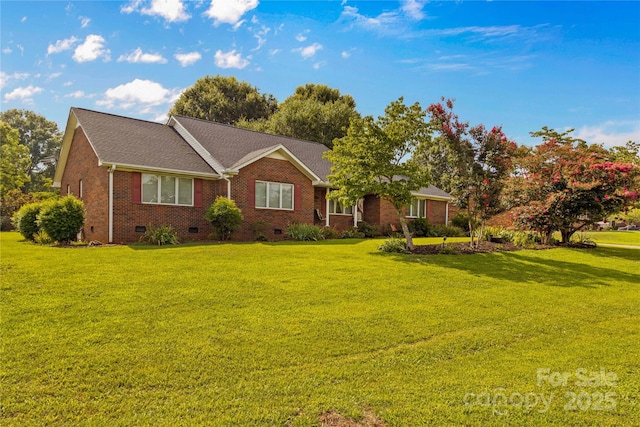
<point>279,333</point>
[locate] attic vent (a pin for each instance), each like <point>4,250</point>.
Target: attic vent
<point>193,230</point>
<point>141,229</point>
<point>277,231</point>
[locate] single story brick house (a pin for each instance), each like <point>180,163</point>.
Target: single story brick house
<point>133,173</point>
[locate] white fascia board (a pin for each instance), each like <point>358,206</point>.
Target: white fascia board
<point>293,159</point>
<point>197,147</point>
<point>141,168</point>
<point>426,197</point>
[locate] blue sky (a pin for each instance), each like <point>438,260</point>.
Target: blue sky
<point>522,65</point>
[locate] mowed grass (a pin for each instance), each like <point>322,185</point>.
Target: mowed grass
<point>277,334</point>
<point>622,237</point>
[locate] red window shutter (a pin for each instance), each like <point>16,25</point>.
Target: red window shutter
<point>251,193</point>
<point>297,197</point>
<point>197,192</point>
<point>136,187</point>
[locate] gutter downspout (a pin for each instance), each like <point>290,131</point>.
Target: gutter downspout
<point>111,169</point>
<point>326,217</point>
<point>228,186</point>
<point>446,214</point>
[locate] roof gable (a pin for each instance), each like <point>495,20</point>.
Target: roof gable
<point>230,145</point>
<point>133,143</point>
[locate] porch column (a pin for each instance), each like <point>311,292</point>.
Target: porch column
<point>326,214</point>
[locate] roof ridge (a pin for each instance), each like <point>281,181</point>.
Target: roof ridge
<point>252,130</point>
<point>119,116</point>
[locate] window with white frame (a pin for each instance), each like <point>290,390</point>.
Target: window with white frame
<point>274,195</point>
<point>417,208</point>
<point>167,190</point>
<point>337,207</point>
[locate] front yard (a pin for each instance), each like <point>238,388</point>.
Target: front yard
<point>281,333</point>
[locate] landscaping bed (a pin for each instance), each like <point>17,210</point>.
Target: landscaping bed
<point>463,248</point>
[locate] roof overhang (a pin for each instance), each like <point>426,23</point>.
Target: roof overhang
<point>429,197</point>
<point>276,149</point>
<point>141,168</point>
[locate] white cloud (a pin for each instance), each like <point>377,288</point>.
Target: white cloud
<point>261,35</point>
<point>309,51</point>
<point>66,84</point>
<point>84,21</point>
<point>24,19</point>
<point>345,54</point>
<point>7,50</point>
<point>170,10</point>
<point>413,9</point>
<point>385,19</point>
<point>610,133</point>
<point>62,45</point>
<point>23,93</point>
<point>138,56</point>
<point>301,37</point>
<point>273,52</point>
<point>229,11</point>
<point>318,65</point>
<point>91,49</point>
<point>6,78</point>
<point>141,94</point>
<point>186,59</point>
<point>230,59</point>
<point>79,94</point>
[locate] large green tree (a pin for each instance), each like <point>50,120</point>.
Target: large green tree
<point>314,113</point>
<point>224,100</point>
<point>14,160</point>
<point>43,138</point>
<point>377,156</point>
<point>565,185</point>
<point>474,163</point>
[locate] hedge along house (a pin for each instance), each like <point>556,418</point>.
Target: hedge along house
<point>132,173</point>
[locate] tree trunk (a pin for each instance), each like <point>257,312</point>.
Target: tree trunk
<point>405,231</point>
<point>566,235</point>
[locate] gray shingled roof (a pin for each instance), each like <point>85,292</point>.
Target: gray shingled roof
<point>433,192</point>
<point>127,141</point>
<point>229,144</point>
<point>123,140</point>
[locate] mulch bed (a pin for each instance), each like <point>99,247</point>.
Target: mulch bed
<point>484,247</point>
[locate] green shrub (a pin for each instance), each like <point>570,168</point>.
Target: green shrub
<point>498,232</point>
<point>462,220</point>
<point>526,238</point>
<point>259,230</point>
<point>420,227</point>
<point>352,233</point>
<point>368,230</point>
<point>305,232</point>
<point>329,233</point>
<point>447,231</point>
<point>582,238</point>
<point>224,216</point>
<point>162,235</point>
<point>394,245</point>
<point>62,219</point>
<point>42,238</point>
<point>25,220</point>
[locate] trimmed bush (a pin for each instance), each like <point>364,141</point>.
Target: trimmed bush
<point>162,235</point>
<point>62,219</point>
<point>25,220</point>
<point>329,233</point>
<point>394,245</point>
<point>305,232</point>
<point>352,233</point>
<point>224,216</point>
<point>368,230</point>
<point>447,230</point>
<point>420,227</point>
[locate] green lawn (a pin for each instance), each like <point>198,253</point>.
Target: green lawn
<point>615,237</point>
<point>277,334</point>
